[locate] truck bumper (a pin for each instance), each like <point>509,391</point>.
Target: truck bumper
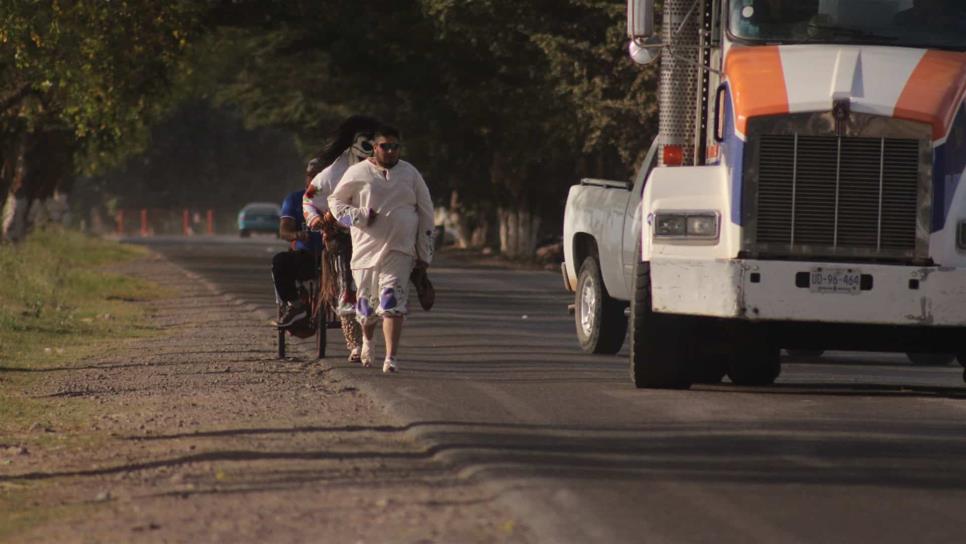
<point>782,291</point>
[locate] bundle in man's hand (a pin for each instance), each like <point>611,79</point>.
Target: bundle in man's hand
<point>424,288</point>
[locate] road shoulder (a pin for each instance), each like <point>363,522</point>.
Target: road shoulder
<point>201,434</point>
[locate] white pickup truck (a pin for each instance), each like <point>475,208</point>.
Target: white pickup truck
<point>601,237</point>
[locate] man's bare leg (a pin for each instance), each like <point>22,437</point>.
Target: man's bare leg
<point>392,330</point>
<point>365,354</point>
<point>369,331</point>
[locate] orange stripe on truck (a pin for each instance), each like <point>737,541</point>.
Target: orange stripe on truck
<point>757,83</point>
<point>934,91</point>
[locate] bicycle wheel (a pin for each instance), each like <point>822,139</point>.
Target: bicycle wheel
<point>281,336</point>
<point>320,311</point>
<point>320,332</point>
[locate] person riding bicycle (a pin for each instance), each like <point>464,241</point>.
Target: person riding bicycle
<point>299,263</point>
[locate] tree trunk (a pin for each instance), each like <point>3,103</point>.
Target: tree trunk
<point>518,233</point>
<point>15,218</point>
<point>11,165</point>
<point>58,208</point>
<point>14,226</point>
<point>459,220</point>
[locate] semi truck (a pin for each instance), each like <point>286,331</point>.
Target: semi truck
<point>807,190</point>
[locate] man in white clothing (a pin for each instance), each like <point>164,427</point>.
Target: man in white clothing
<point>350,143</point>
<point>387,204</point>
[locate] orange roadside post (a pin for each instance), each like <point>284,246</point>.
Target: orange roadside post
<point>144,222</point>
<point>185,222</point>
<point>211,221</point>
<point>119,222</point>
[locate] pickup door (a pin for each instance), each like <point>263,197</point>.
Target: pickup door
<point>598,208</point>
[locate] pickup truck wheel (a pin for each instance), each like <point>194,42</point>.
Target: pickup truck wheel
<point>660,355</point>
<point>756,362</point>
<point>601,325</point>
<point>931,359</point>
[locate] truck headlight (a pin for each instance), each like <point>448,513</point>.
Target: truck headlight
<point>961,235</point>
<point>700,225</point>
<point>670,225</point>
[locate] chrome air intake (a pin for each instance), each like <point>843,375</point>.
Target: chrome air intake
<point>864,193</point>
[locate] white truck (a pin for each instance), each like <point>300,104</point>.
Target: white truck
<point>602,233</point>
<point>809,192</point>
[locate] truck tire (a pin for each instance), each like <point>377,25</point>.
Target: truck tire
<point>931,359</point>
<point>708,367</point>
<point>601,325</point>
<point>659,355</point>
<point>755,360</point>
<point>244,233</point>
<point>708,371</point>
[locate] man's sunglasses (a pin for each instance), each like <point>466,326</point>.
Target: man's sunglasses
<point>389,147</point>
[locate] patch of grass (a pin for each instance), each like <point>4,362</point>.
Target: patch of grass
<point>60,304</point>
<point>59,298</point>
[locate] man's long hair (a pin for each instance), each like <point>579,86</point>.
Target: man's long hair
<point>341,137</point>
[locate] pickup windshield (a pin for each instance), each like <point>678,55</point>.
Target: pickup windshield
<point>936,24</point>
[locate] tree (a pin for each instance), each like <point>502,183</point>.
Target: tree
<point>95,73</point>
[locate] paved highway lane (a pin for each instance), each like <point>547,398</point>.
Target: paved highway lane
<point>846,448</point>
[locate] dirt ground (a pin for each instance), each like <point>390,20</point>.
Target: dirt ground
<point>201,435</point>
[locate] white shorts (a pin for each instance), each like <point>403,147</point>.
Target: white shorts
<point>389,281</point>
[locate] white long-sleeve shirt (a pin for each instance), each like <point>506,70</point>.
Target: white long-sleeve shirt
<point>315,201</point>
<point>405,212</point>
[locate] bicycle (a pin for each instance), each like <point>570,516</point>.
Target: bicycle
<point>321,318</point>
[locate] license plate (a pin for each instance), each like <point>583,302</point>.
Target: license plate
<point>835,280</point>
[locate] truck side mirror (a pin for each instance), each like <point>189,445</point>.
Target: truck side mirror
<point>640,19</point>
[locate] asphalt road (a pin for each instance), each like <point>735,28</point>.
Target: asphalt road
<point>846,448</point>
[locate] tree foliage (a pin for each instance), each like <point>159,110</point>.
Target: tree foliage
<point>100,69</point>
<point>504,103</point>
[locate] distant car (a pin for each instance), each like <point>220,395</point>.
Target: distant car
<point>258,217</point>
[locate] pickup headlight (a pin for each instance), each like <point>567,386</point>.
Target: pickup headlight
<point>700,225</point>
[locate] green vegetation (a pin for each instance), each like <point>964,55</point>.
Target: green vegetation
<point>59,304</point>
<point>503,104</point>
<point>57,299</point>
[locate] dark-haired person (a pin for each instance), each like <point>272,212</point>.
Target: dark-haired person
<point>386,203</point>
<point>297,264</point>
<point>350,143</point>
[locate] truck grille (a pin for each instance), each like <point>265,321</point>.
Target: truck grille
<point>834,195</point>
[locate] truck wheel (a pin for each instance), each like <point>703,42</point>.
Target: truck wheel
<point>659,342</point>
<point>755,361</point>
<point>244,233</point>
<point>931,359</point>
<point>708,370</point>
<point>601,325</point>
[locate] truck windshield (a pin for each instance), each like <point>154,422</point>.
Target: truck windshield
<point>939,24</point>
